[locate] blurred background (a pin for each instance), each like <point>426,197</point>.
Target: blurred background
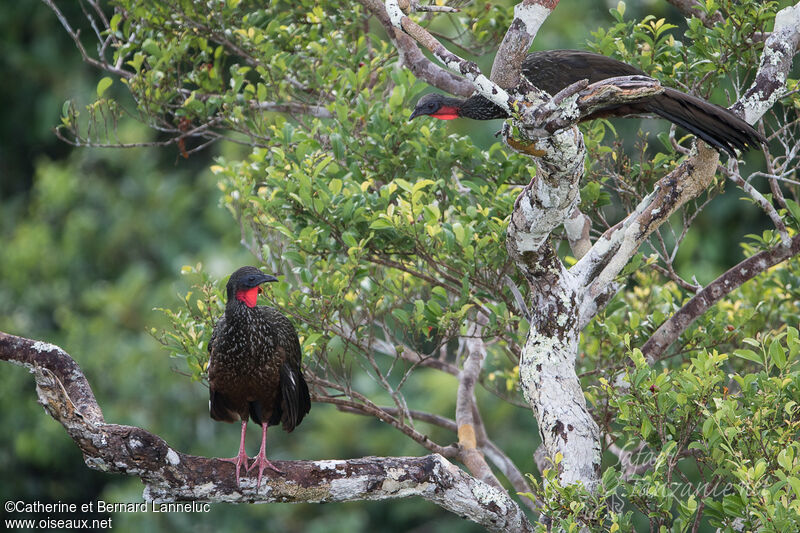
<point>93,240</point>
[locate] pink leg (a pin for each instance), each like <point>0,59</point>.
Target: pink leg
<point>242,456</point>
<point>261,458</point>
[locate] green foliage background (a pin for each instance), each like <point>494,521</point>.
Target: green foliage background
<point>94,240</point>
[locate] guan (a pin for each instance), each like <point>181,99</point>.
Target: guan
<point>254,367</point>
<point>554,70</point>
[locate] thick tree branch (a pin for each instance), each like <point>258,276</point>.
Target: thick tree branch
<point>529,15</point>
<point>671,329</point>
<point>776,61</point>
<point>169,475</point>
<point>598,269</point>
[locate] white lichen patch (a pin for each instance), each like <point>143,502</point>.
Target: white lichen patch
<point>96,463</point>
<point>532,15</point>
<point>570,109</point>
<point>40,347</point>
<point>394,12</point>
<point>486,494</point>
<point>329,465</point>
<point>538,349</point>
<point>134,443</point>
<point>395,473</point>
<point>574,227</point>
<point>348,488</point>
<point>204,490</point>
<point>392,484</point>
<point>172,457</point>
<point>491,91</point>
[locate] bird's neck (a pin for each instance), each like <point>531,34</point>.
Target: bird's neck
<point>237,310</point>
<point>479,107</point>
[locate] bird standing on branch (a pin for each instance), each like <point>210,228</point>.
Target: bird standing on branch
<point>254,367</point>
<point>554,70</point>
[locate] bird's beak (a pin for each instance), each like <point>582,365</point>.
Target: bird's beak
<point>265,278</point>
<point>414,115</point>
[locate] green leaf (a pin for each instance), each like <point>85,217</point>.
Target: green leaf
<point>777,355</point>
<point>750,355</point>
<point>381,223</point>
<point>103,85</point>
<point>794,209</point>
<point>795,483</point>
<point>114,23</point>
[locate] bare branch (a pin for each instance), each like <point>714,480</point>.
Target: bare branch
<point>609,255</point>
<point>469,454</point>
<point>169,475</point>
<point>553,115</point>
<point>762,202</point>
<point>416,6</point>
<point>529,15</point>
<point>422,67</point>
<point>455,63</point>
<point>672,328</point>
<point>75,35</point>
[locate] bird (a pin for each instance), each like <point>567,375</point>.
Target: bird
<point>254,367</point>
<point>554,70</point>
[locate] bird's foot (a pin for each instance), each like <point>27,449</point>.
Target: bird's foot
<point>263,463</point>
<point>240,459</point>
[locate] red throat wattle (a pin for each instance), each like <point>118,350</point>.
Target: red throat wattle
<point>248,296</point>
<point>446,113</point>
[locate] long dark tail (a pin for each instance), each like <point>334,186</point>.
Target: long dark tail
<point>714,124</point>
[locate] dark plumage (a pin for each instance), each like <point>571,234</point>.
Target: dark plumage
<point>554,70</point>
<point>254,367</point>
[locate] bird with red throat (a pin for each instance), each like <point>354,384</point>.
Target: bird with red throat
<point>554,70</point>
<point>254,367</point>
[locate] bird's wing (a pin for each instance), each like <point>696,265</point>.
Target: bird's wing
<point>212,346</point>
<point>295,398</point>
<point>553,70</point>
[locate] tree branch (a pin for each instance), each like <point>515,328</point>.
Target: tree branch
<point>469,453</point>
<point>75,35</point>
<point>169,475</point>
<point>529,15</point>
<point>776,61</point>
<point>671,329</point>
<point>469,69</point>
<point>422,67</point>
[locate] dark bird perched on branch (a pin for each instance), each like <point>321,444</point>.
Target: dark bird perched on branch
<point>554,70</point>
<point>254,366</point>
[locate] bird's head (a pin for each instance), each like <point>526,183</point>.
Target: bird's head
<point>244,285</point>
<point>437,105</point>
